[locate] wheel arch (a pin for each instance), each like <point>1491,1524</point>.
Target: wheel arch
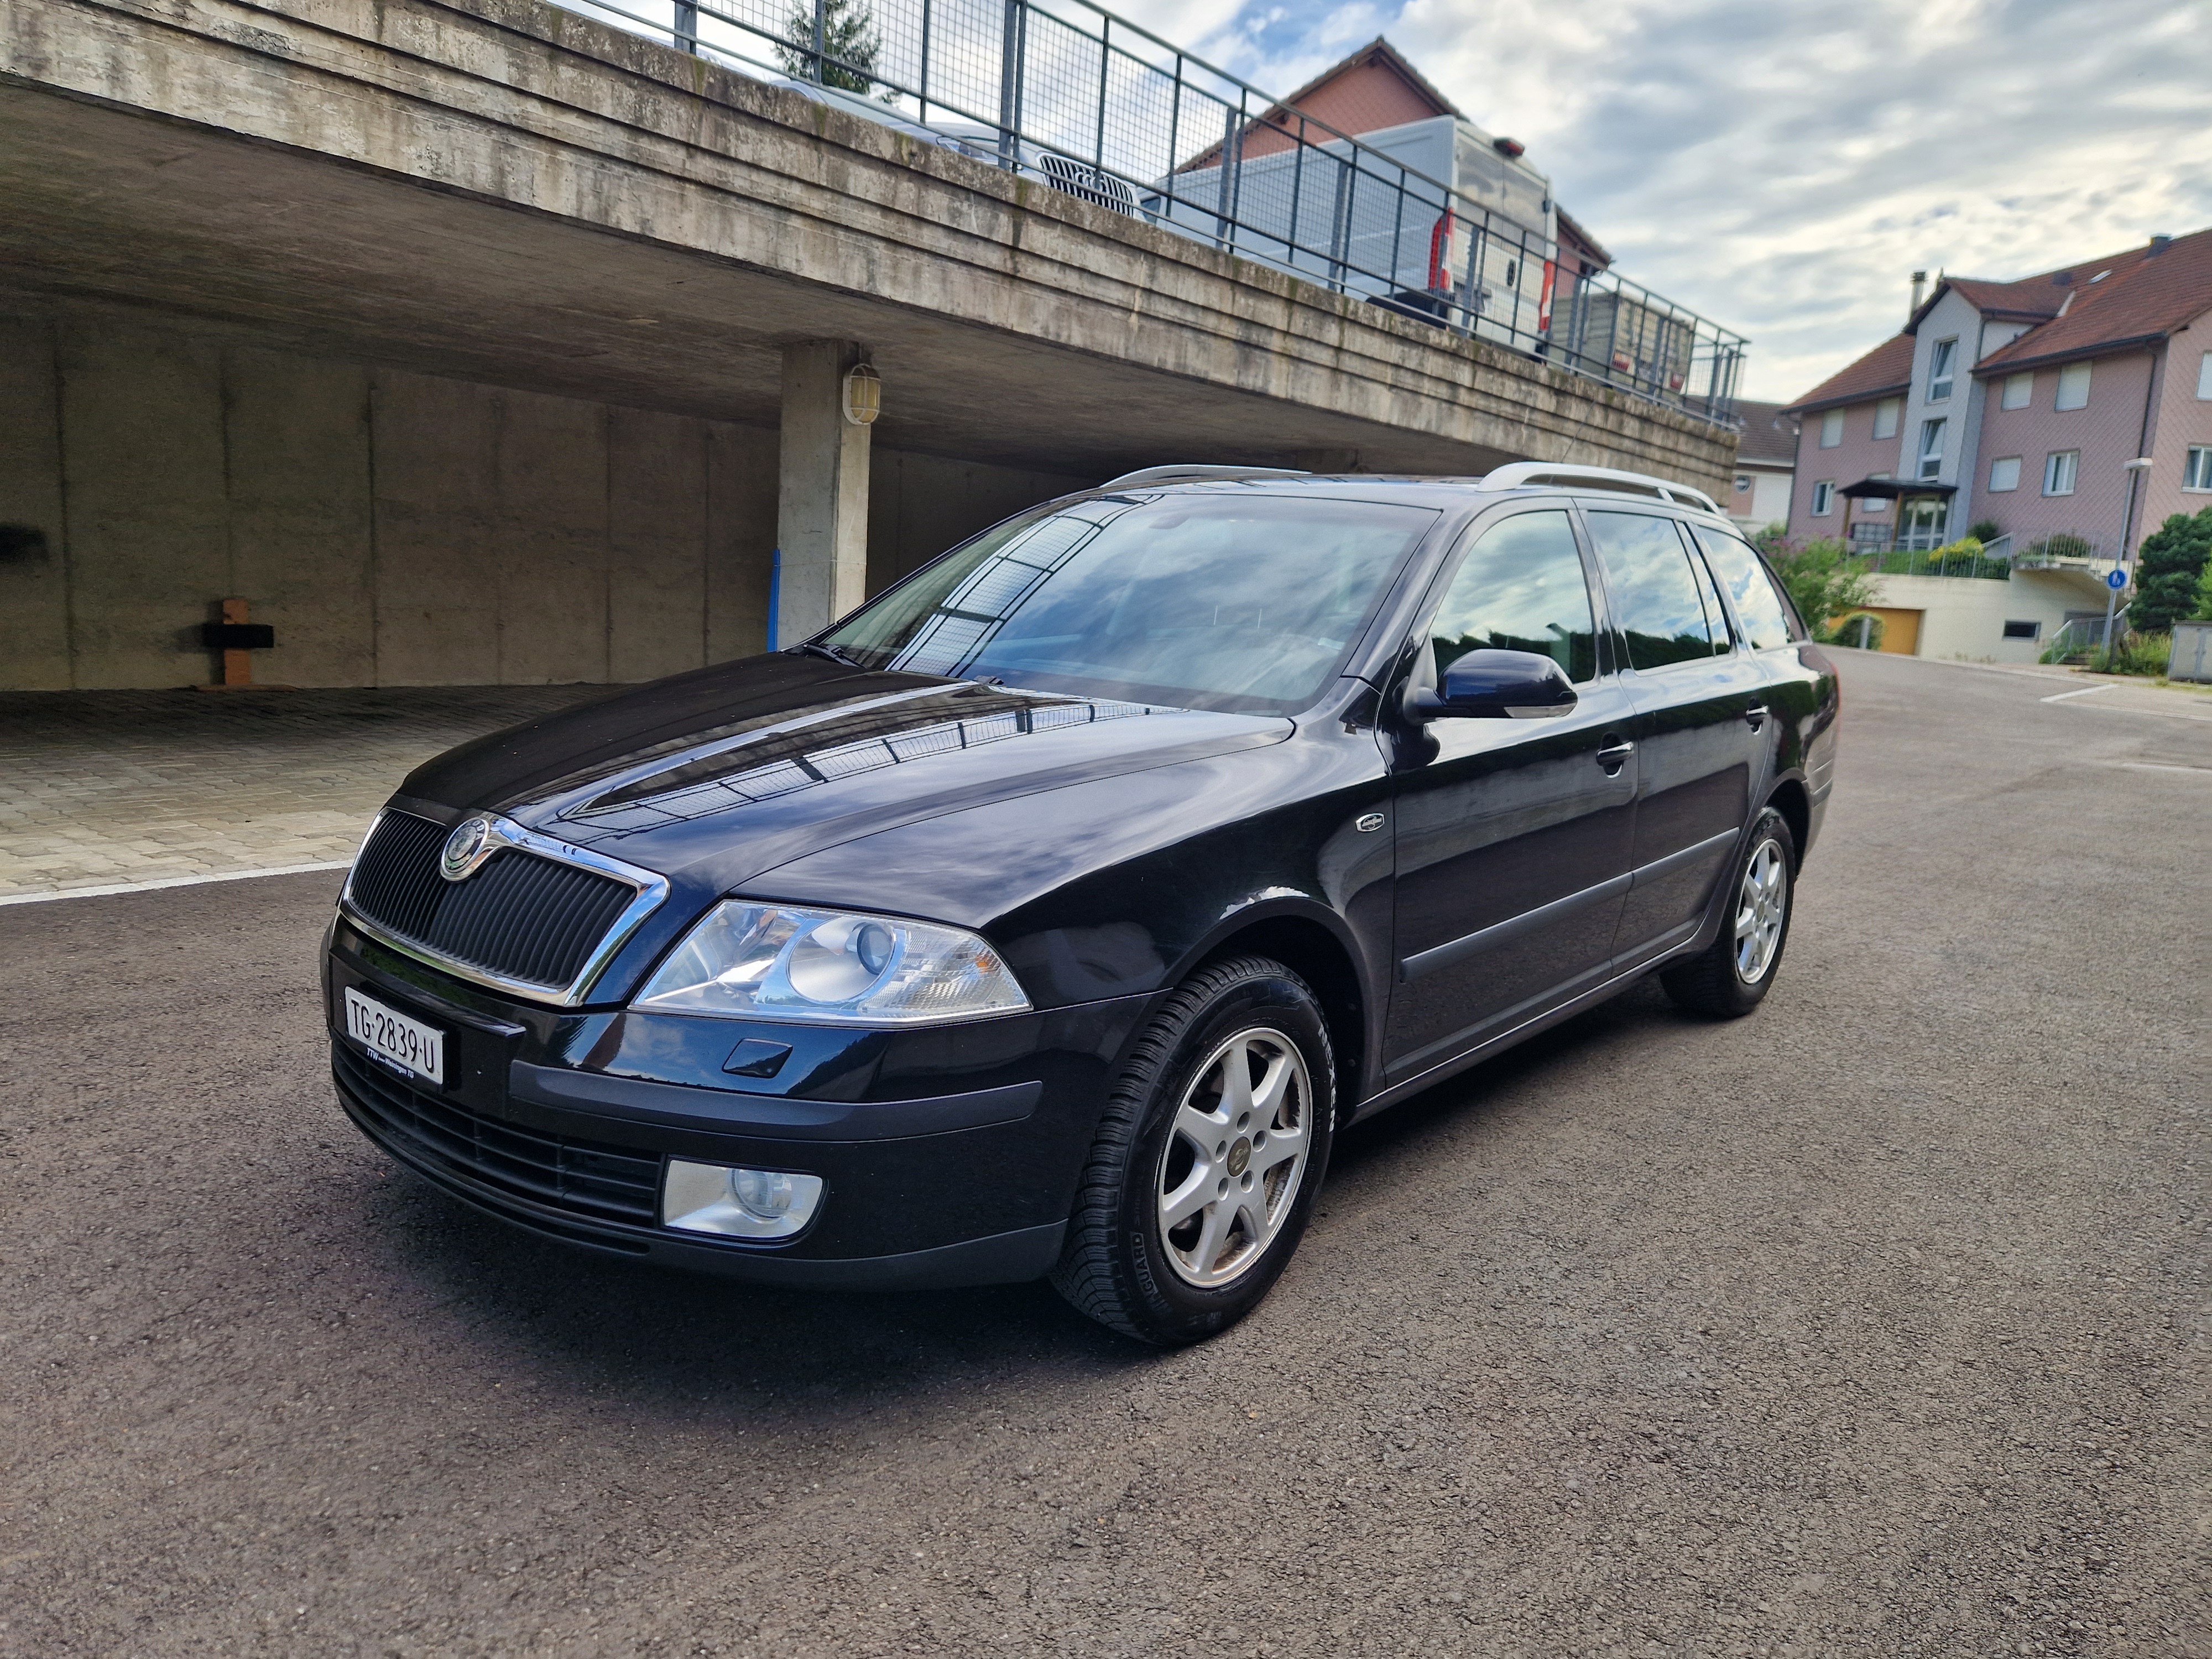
<point>1317,953</point>
<point>1789,798</point>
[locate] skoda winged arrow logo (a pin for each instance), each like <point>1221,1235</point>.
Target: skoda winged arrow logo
<point>469,845</point>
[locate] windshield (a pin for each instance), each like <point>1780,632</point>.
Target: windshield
<point>1239,601</point>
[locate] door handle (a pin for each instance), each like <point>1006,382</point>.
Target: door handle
<point>1613,756</point>
<point>1756,715</point>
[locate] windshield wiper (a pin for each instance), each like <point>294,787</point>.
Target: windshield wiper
<point>833,654</point>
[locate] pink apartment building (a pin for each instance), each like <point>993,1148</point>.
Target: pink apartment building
<point>2072,410</point>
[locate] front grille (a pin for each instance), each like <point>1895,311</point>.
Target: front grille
<point>605,1183</point>
<point>520,916</point>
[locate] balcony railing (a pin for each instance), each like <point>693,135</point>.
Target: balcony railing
<point>2061,550</point>
<point>1093,105</point>
<point>1913,562</point>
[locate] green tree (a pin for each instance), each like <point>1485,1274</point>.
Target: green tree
<point>2168,566</point>
<point>2203,611</point>
<point>1823,580</point>
<point>849,45</point>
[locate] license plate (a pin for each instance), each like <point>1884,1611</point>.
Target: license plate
<point>390,1036</point>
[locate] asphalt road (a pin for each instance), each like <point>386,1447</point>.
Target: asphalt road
<point>1862,1327</point>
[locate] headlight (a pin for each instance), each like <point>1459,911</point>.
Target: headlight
<point>782,961</point>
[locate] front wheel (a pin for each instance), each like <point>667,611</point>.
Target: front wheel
<point>1211,1147</point>
<point>1730,977</point>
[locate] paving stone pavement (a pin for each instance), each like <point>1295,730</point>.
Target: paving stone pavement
<point>104,788</point>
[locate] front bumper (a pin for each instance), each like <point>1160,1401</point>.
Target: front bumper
<point>948,1157</point>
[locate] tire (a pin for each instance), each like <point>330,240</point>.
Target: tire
<point>1136,1268</point>
<point>1731,976</point>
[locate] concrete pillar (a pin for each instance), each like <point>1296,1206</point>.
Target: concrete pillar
<point>822,504</point>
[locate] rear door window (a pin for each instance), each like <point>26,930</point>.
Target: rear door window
<point>1520,588</point>
<point>1655,602</point>
<point>1759,610</point>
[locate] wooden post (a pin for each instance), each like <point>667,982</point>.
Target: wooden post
<point>237,665</point>
<point>236,640</point>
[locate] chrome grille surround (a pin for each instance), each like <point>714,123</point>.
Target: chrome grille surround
<point>648,889</point>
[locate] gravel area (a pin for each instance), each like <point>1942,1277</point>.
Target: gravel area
<point>1864,1327</point>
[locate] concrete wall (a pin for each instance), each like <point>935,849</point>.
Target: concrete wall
<point>507,191</point>
<point>396,528</point>
<point>1963,617</point>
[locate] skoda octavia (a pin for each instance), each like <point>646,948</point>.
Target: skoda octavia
<point>1048,916</point>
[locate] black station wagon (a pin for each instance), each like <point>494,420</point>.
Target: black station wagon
<point>1048,915</point>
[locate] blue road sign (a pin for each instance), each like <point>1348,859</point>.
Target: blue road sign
<point>2116,579</point>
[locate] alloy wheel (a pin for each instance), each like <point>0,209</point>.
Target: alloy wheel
<point>1762,906</point>
<point>1234,1158</point>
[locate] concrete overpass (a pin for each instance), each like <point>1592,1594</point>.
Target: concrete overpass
<point>479,342</point>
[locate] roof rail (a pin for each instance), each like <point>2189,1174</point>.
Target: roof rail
<point>1164,474</point>
<point>1521,473</point>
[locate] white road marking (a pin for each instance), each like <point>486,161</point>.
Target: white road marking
<point>170,881</point>
<point>2086,691</point>
<point>2166,766</point>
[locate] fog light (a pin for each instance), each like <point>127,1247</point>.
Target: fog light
<point>713,1198</point>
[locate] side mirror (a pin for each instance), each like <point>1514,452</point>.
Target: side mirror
<point>1498,685</point>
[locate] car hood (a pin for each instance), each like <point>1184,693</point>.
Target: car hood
<point>719,774</point>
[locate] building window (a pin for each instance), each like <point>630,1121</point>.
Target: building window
<point>1832,428</point>
<point>1931,448</point>
<point>2073,386</point>
<point>2023,631</point>
<point>1939,370</point>
<point>2196,473</point>
<point>1885,417</point>
<point>2204,379</point>
<point>2004,474</point>
<point>1824,498</point>
<point>2019,391</point>
<point>1743,483</point>
<point>2059,472</point>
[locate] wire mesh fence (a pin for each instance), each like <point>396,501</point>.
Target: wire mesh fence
<point>1104,110</point>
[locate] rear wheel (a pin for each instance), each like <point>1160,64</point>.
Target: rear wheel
<point>1212,1145</point>
<point>1730,977</point>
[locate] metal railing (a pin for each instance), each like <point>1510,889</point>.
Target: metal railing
<point>2078,635</point>
<point>1939,562</point>
<point>1105,111</point>
<point>2058,550</point>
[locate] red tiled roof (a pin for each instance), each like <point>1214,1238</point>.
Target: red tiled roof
<point>1768,436</point>
<point>2036,297</point>
<point>2151,292</point>
<point>1887,368</point>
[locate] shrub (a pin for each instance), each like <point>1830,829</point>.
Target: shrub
<point>1846,630</point>
<point>1983,531</point>
<point>1823,579</point>
<point>2203,611</point>
<point>2169,566</point>
<point>2136,653</point>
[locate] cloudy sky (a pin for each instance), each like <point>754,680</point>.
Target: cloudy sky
<point>1783,165</point>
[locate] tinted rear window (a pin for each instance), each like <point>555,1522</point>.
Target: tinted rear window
<point>1757,606</point>
<point>1655,603</point>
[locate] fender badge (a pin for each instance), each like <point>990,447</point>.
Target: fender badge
<point>1366,821</point>
<point>468,847</point>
